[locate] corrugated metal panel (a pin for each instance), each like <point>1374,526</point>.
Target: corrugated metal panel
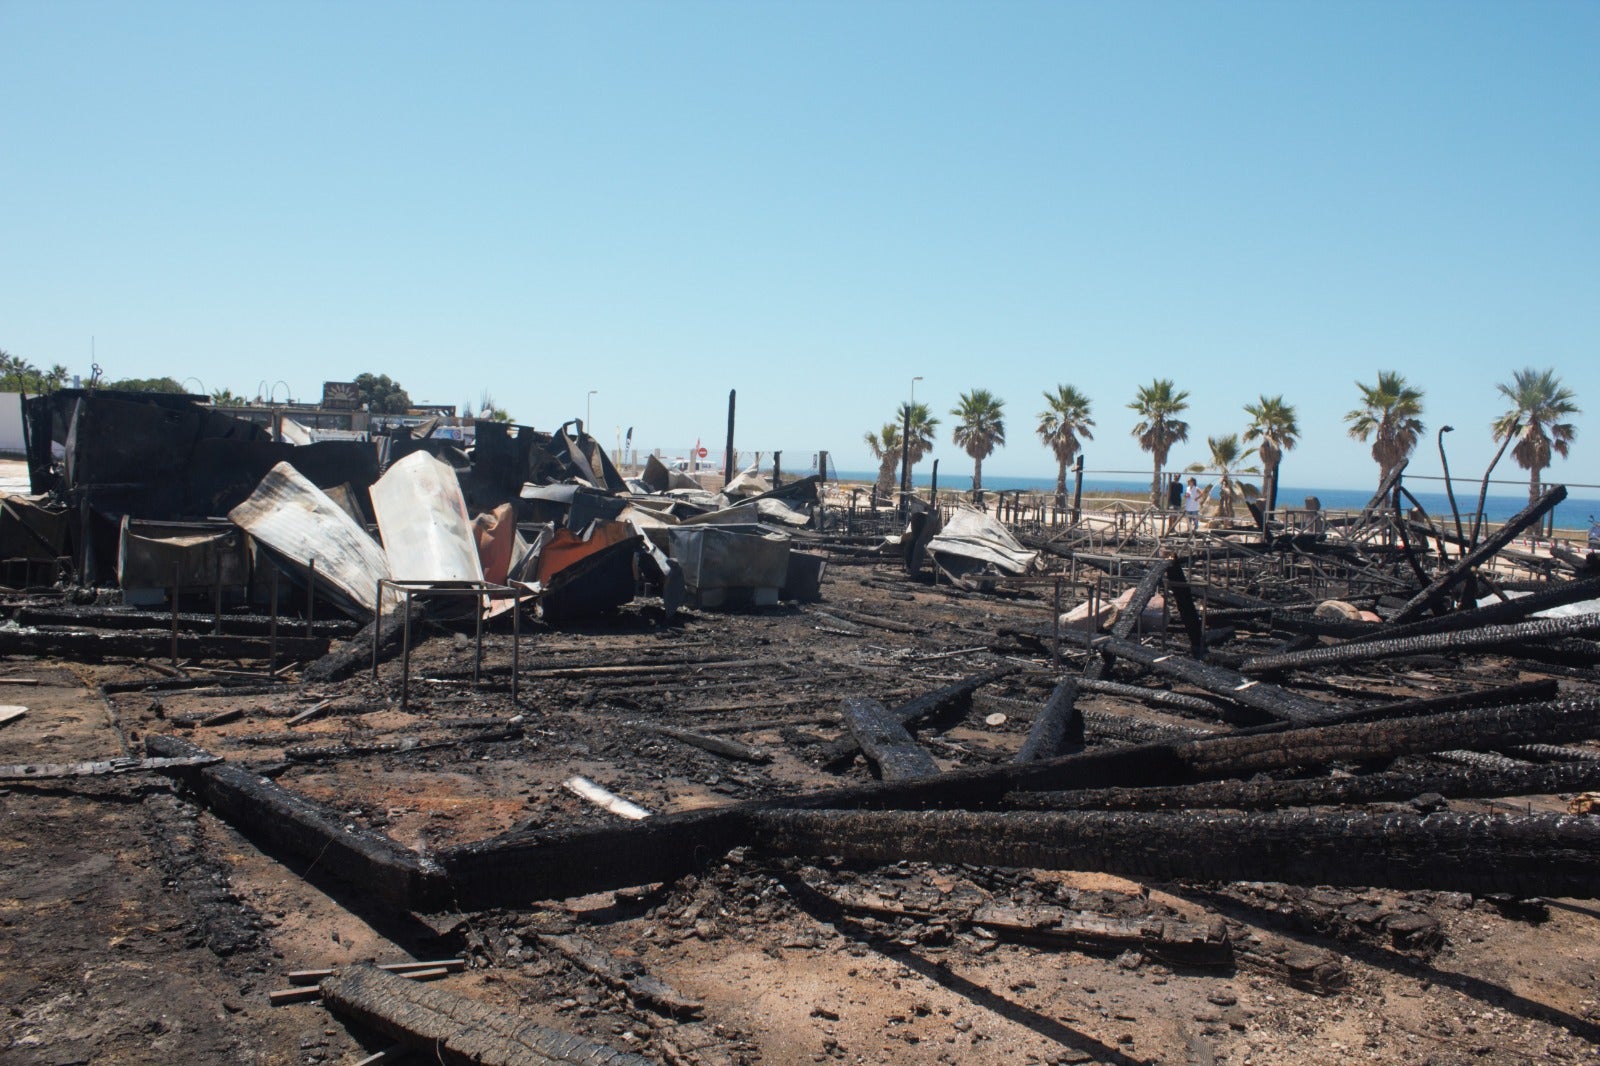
<point>297,520</point>
<point>424,523</point>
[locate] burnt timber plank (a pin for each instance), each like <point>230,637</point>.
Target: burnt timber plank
<point>1534,855</point>
<point>453,1029</point>
<point>885,741</point>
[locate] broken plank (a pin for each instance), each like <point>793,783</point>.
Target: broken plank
<point>314,711</point>
<point>731,749</point>
<point>628,977</point>
<point>9,714</point>
<point>885,741</point>
<point>1509,636</point>
<point>457,1029</point>
<point>311,977</point>
<point>603,798</point>
<point>47,771</point>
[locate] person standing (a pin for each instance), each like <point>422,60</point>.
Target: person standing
<point>1191,505</point>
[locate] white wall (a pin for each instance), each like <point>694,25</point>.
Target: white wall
<point>11,439</point>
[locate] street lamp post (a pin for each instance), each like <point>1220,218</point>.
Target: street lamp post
<point>905,452</point>
<point>588,415</point>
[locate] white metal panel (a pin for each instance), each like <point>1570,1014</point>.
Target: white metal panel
<point>423,520</point>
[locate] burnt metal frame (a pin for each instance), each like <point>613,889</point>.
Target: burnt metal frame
<point>478,589</point>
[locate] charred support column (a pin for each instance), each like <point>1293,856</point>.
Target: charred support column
<point>1077,488</point>
<point>727,455</point>
<point>777,469</point>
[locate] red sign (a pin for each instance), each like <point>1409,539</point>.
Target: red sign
<point>702,453</point>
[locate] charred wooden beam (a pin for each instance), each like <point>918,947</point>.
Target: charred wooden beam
<point>1537,855</point>
<point>626,977</point>
<point>358,652</point>
<point>1470,782</point>
<point>1558,594</point>
<point>453,1029</point>
<point>1496,696</point>
<point>951,700</point>
<point>885,741</point>
<point>1182,595</point>
<point>730,749</point>
<point>546,864</point>
<point>1143,592</point>
<point>267,811</point>
<point>1159,696</point>
<point>1430,597</point>
<point>82,645</point>
<point>1270,700</point>
<point>1481,639</point>
<point>233,625</point>
<point>1056,728</point>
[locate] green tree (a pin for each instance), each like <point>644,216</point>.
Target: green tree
<point>923,424</point>
<point>167,385</point>
<point>1066,418</point>
<point>1538,402</point>
<point>981,429</point>
<point>1158,406</point>
<point>885,447</point>
<point>1226,455</point>
<point>492,411</point>
<point>1389,416</point>
<point>19,375</point>
<point>227,398</point>
<point>1272,422</point>
<point>381,395</point>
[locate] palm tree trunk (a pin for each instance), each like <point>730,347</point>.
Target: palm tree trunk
<point>1272,497</point>
<point>1533,485</point>
<point>1155,481</point>
<point>1061,482</point>
<point>977,477</point>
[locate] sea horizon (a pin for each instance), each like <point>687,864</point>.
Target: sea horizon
<point>1573,513</point>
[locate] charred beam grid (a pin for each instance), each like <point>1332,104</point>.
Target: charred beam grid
<point>1430,597</point>
<point>1503,637</point>
<point>1536,855</point>
<point>304,828</point>
<point>556,863</point>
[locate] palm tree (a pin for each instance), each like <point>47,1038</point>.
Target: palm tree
<point>1061,423</point>
<point>1225,459</point>
<point>981,430</point>
<point>226,398</point>
<point>885,447</point>
<point>1389,415</point>
<point>1538,399</point>
<point>1158,406</point>
<point>921,440</point>
<point>1272,422</point>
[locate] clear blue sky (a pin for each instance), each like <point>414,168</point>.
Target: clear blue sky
<point>814,202</point>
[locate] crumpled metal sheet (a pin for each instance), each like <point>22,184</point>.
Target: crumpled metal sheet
<point>300,523</point>
<point>975,535</point>
<point>422,518</point>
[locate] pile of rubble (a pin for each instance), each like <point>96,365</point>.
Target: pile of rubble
<point>661,746</point>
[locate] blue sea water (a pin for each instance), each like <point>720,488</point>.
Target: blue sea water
<point>1572,513</point>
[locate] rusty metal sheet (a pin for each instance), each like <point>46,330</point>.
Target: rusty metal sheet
<point>300,523</point>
